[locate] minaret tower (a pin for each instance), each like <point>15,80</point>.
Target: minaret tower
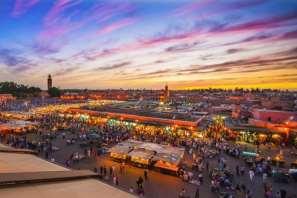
<point>166,93</point>
<point>49,82</point>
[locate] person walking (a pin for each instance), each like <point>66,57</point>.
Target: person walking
<point>197,193</point>
<point>278,195</point>
<point>131,189</point>
<point>237,170</point>
<point>242,170</point>
<point>101,170</point>
<point>200,178</point>
<point>264,177</point>
<point>141,191</point>
<point>252,175</point>
<point>283,193</point>
<point>182,193</point>
<point>145,175</point>
<point>104,171</point>
<point>248,194</point>
<point>139,182</point>
<point>114,179</point>
<point>110,171</point>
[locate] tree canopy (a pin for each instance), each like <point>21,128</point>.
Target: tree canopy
<point>54,92</point>
<point>19,90</point>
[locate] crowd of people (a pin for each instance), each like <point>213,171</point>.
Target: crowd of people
<point>26,105</point>
<point>222,175</point>
<point>206,157</point>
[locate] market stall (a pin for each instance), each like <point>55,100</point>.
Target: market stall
<point>164,158</point>
<point>278,161</point>
<point>17,126</point>
<point>251,158</point>
<point>168,159</point>
<point>120,151</point>
<point>141,157</point>
<point>294,164</point>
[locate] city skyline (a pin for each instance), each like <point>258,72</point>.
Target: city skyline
<point>145,44</point>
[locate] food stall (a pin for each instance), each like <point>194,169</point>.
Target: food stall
<point>120,151</point>
<point>141,157</point>
<point>164,158</point>
<point>168,163</point>
<point>249,154</point>
<point>251,158</point>
<point>17,126</point>
<point>281,176</point>
<point>278,161</point>
<point>294,164</point>
<point>168,159</point>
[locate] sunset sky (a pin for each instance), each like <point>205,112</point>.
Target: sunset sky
<point>147,43</point>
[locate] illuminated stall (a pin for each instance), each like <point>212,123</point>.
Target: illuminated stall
<point>17,126</point>
<point>169,159</point>
<point>141,157</point>
<point>164,158</point>
<point>120,151</point>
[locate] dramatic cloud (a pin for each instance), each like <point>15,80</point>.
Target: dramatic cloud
<point>136,44</point>
<point>182,47</point>
<point>261,23</point>
<point>289,35</point>
<point>257,37</point>
<point>159,61</point>
<point>22,6</point>
<point>66,71</point>
<point>14,60</point>
<point>157,72</point>
<point>162,39</point>
<point>52,47</point>
<point>191,7</point>
<point>63,19</point>
<point>242,4</point>
<point>114,66</point>
<point>245,65</point>
<point>234,50</point>
<point>115,26</point>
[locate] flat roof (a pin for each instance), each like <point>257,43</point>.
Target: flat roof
<point>19,162</point>
<point>29,167</point>
<point>134,117</point>
<point>90,188</point>
<point>2,146</point>
<point>17,124</point>
<point>275,111</point>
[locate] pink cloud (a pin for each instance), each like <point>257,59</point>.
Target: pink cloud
<point>195,33</point>
<point>22,6</point>
<point>166,39</point>
<point>58,23</point>
<point>217,7</point>
<point>101,13</point>
<point>59,7</point>
<point>262,23</point>
<point>289,35</point>
<point>145,43</point>
<point>248,26</point>
<point>189,8</point>
<point>115,26</point>
<point>243,4</point>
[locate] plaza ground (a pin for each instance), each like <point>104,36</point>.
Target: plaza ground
<point>161,185</point>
